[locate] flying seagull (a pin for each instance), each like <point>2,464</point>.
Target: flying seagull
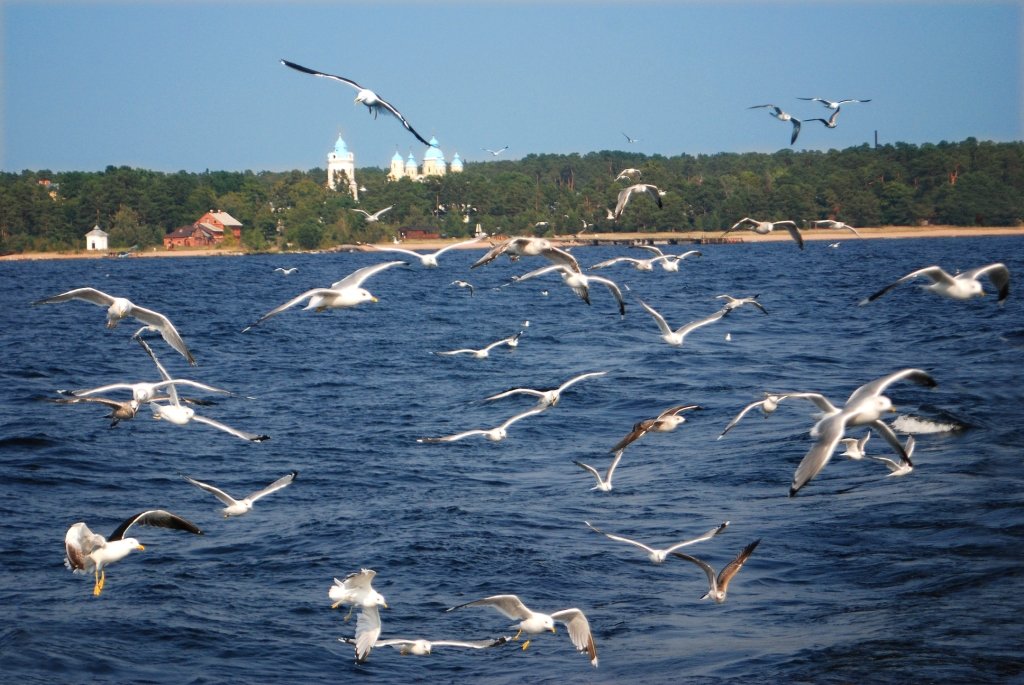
<point>356,589</point>
<point>658,556</point>
<point>665,422</point>
<point>827,123</point>
<point>496,434</point>
<point>522,246</point>
<point>121,307</point>
<point>238,507</point>
<point>365,96</point>
<point>286,272</point>
<point>549,397</point>
<point>676,337</point>
<point>833,104</point>
<point>734,302</point>
<point>579,283</point>
<point>718,587</point>
<point>464,284</point>
<point>422,647</point>
<point>348,292</point>
<point>766,227</point>
<point>119,411</point>
<point>961,286</point>
<point>626,193</point>
<point>495,152</point>
<point>373,218</point>
<point>771,402</point>
<point>836,226</point>
<point>484,352</point>
<point>534,622</point>
<point>604,484</point>
<point>89,552</point>
<point>670,261</point>
<point>429,260</point>
<point>783,116</point>
<point>631,140</point>
<point>628,174</point>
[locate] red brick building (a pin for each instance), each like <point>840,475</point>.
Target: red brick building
<point>210,229</point>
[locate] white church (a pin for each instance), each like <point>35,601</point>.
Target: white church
<point>341,166</point>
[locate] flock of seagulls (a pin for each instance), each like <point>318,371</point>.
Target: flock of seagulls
<point>784,116</point>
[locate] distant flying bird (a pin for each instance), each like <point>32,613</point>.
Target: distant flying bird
<point>348,292</point>
<point>523,246</point>
<point>464,284</point>
<point>88,552</point>
<point>631,140</point>
<point>365,96</point>
<point>626,193</point>
<point>371,218</point>
<point>828,123</point>
<point>832,104</point>
<point>658,556</point>
<point>422,647</point>
<point>734,302</point>
<point>603,484</point>
<point>771,402</point>
<point>428,260</point>
<point>627,174</point>
<point>238,507</point>
<point>783,116</point>
<point>671,261</point>
<point>549,397</point>
<point>718,587</point>
<point>286,272</point>
<point>121,307</point>
<point>495,152</point>
<point>766,227</point>
<point>579,283</point>
<point>484,352</point>
<point>665,422</point>
<point>496,434</point>
<point>675,338</point>
<point>534,622</point>
<point>961,286</point>
<point>836,226</point>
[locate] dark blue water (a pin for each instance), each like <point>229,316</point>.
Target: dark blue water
<point>858,578</point>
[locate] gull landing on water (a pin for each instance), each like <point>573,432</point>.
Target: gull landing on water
<point>604,484</point>
<point>658,556</point>
<point>961,286</point>
<point>534,622</point>
<point>718,587</point>
<point>779,114</point>
<point>121,307</point>
<point>89,552</point>
<point>238,507</point>
<point>365,96</point>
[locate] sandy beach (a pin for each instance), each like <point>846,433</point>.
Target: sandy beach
<point>684,237</point>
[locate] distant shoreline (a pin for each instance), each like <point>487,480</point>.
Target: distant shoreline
<point>682,237</point>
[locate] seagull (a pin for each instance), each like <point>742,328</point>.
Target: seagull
<point>855,447</point>
<point>658,556</point>
<point>119,308</point>
<point>365,96</point>
<point>665,422</point>
<point>373,218</point>
<point>626,193</point>
<point>464,284</point>
<point>424,647</point>
<point>631,140</point>
<point>734,302</point>
<point>833,245</point>
<point>828,123</point>
<point>864,407</point>
<point>638,264</point>
<point>579,282</point>
<point>119,411</point>
<point>348,292</point>
<point>675,338</point>
<point>836,226</point>
<point>961,286</point>
<point>367,630</point>
<point>88,552</point>
<point>429,260</point>
<point>356,589</point>
<point>766,227</point>
<point>495,434</point>
<point>521,246</point>
<point>603,484</point>
<point>495,152</point>
<point>771,402</point>
<point>720,586</point>
<point>286,272</point>
<point>832,104</point>
<point>534,622</point>
<point>511,341</point>
<point>783,116</point>
<point>144,392</point>
<point>627,174</point>
<point>903,466</point>
<point>550,397</point>
<point>671,261</point>
<point>236,507</point>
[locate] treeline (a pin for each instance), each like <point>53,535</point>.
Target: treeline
<point>964,183</point>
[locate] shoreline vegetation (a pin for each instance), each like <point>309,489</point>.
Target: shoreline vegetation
<point>618,238</point>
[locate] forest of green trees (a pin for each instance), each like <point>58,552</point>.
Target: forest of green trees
<point>965,183</point>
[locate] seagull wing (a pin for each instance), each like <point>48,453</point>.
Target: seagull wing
<point>167,330</point>
<point>367,632</point>
<point>734,566</point>
<point>796,129</point>
<point>402,250</point>
<point>887,433</point>
<point>493,253</point>
<point>794,231</point>
<point>381,212</point>
<point>706,536</point>
<point>252,437</point>
<point>619,538</point>
<point>284,481</point>
<point>540,272</point>
<point>639,430</point>
<point>100,390</point>
<point>878,386</point>
<point>658,318</point>
<point>623,200</point>
<point>469,644</point>
<point>157,518</point>
<point>739,417</point>
<point>452,246</point>
<point>613,288</point>
<point>560,256</point>
<point>514,391</point>
<point>215,491</point>
<point>79,543</point>
<point>523,415</point>
<point>398,115</point>
<point>582,376</point>
<point>694,325</point>
<point>708,571</point>
<point>997,273</point>
<point>590,469</point>
<point>359,276</point>
<point>87,294</point>
<point>672,411</point>
<point>830,431</point>
<point>510,605</point>
<point>579,631</point>
<point>614,465</point>
<point>360,580</point>
<point>313,72</point>
<point>289,304</point>
<point>937,274</point>
<point>453,438</point>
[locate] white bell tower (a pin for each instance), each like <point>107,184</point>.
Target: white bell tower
<point>341,168</point>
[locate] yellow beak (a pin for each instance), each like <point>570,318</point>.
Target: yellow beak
<point>140,548</point>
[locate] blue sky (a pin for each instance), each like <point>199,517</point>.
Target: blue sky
<point>198,85</point>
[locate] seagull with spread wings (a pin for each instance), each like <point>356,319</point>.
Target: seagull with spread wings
<point>676,337</point>
<point>429,260</point>
<point>665,422</point>
<point>719,586</point>
<point>365,96</point>
<point>781,115</point>
<point>658,556</point>
<point>239,507</point>
<point>766,227</point>
<point>375,217</point>
<point>960,286</point>
<point>629,191</point>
